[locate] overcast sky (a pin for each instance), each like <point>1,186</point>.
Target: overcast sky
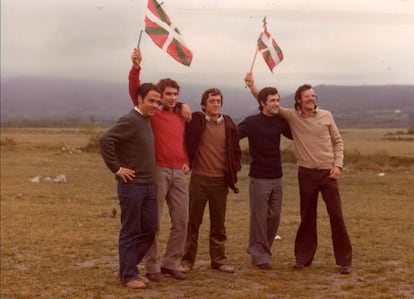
<point>323,41</point>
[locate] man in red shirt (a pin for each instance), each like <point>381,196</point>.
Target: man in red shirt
<point>170,175</point>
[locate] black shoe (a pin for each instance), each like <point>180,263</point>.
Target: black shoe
<point>346,269</point>
<point>174,273</point>
<point>298,266</point>
<point>265,266</point>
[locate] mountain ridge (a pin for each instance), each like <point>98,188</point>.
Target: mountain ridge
<point>56,98</point>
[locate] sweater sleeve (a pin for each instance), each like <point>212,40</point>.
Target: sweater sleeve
<point>286,129</point>
<point>134,83</point>
<point>192,135</point>
<point>286,113</point>
<point>236,148</point>
<point>337,143</point>
<point>110,140</point>
<point>243,129</point>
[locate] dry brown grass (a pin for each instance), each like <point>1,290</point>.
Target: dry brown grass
<point>56,244</point>
<point>372,141</point>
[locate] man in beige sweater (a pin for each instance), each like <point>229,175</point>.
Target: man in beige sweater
<point>319,152</point>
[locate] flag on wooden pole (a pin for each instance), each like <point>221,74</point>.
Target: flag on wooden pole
<point>164,34</point>
<point>270,50</point>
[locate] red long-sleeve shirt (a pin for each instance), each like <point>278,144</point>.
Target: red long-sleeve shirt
<point>134,83</point>
<point>168,128</point>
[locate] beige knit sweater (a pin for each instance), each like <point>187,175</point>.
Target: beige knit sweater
<point>318,143</point>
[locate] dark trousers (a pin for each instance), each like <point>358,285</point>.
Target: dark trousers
<point>214,191</point>
<point>311,181</point>
<point>139,222</point>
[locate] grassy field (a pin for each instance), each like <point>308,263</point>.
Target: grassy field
<point>57,241</point>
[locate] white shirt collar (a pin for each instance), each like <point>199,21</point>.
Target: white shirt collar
<point>137,110</point>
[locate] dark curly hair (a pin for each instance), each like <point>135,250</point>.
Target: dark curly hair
<point>263,94</point>
<point>298,94</point>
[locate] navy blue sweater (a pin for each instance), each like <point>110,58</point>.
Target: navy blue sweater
<point>263,133</point>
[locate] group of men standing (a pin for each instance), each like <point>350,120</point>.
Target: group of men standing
<point>153,147</point>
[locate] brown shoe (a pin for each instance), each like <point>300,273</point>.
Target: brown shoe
<point>265,266</point>
<point>143,279</point>
<point>184,268</point>
<point>298,266</point>
<point>226,268</point>
<point>135,284</point>
<point>155,277</point>
<point>173,273</point>
<point>346,270</point>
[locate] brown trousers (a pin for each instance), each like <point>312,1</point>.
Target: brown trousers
<point>204,189</point>
<point>311,181</point>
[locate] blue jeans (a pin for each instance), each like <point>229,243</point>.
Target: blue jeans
<point>139,223</point>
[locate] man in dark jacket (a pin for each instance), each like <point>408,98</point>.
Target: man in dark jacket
<point>214,153</point>
<point>128,150</point>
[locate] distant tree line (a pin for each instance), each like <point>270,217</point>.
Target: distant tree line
<point>351,120</point>
<point>374,119</point>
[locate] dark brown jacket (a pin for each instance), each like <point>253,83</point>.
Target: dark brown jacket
<point>193,132</point>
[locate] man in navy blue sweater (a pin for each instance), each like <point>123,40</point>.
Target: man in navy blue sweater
<point>128,151</point>
<point>264,132</point>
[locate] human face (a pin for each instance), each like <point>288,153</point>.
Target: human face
<point>272,105</point>
<point>149,104</point>
<point>308,100</point>
<point>213,106</point>
<point>169,97</point>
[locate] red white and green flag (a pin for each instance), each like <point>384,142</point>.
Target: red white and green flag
<point>164,34</point>
<point>270,50</point>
